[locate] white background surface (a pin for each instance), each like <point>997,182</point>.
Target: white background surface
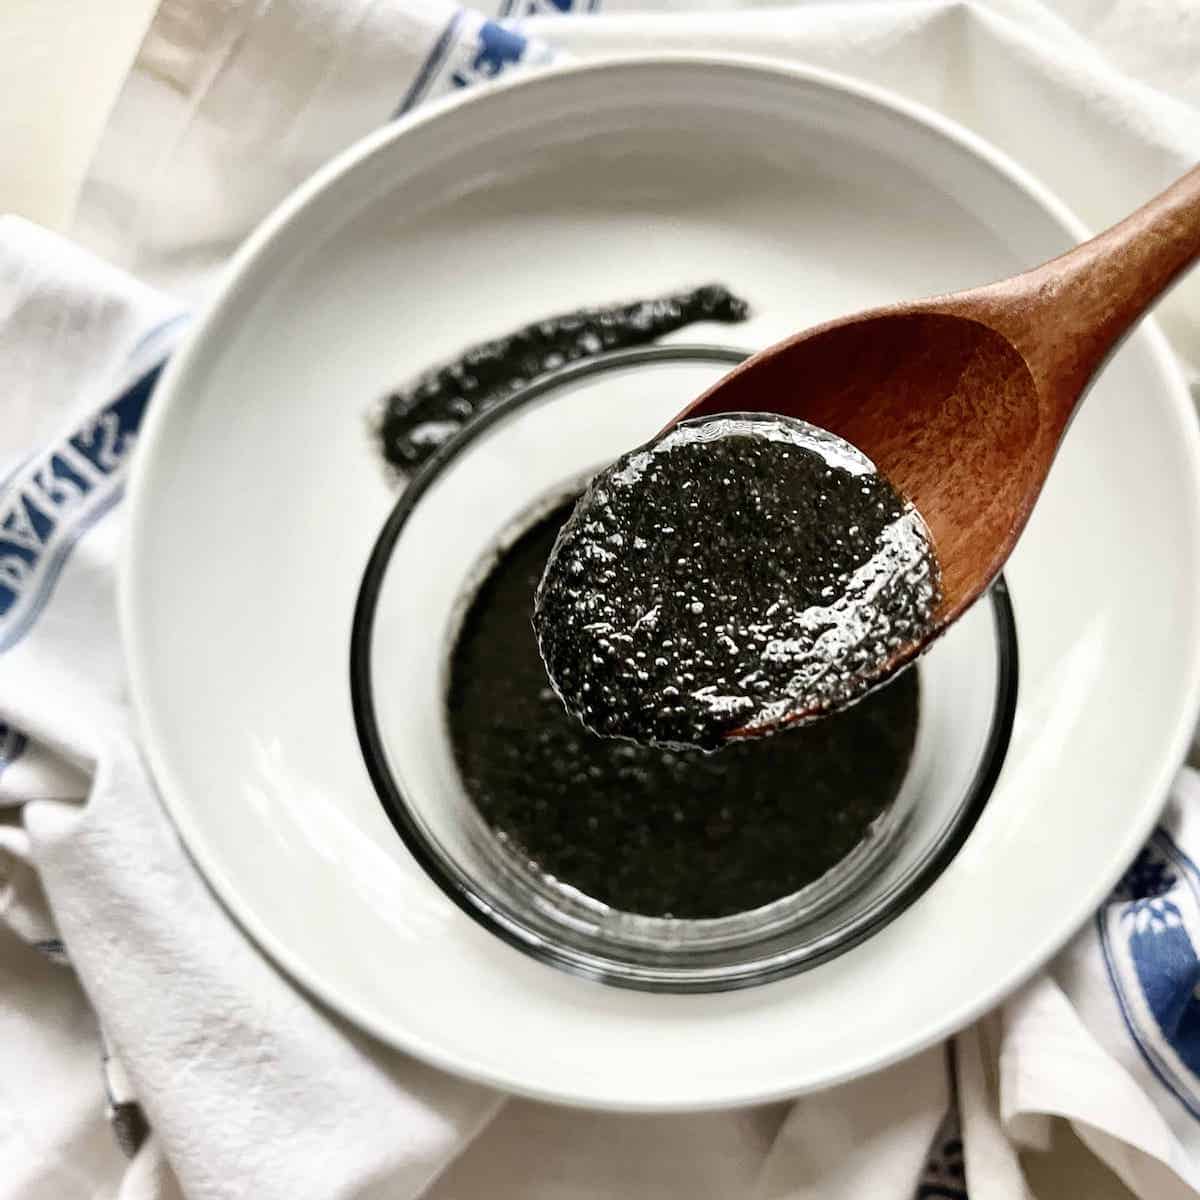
<point>61,64</point>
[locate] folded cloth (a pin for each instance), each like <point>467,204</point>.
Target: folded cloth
<point>221,1077</point>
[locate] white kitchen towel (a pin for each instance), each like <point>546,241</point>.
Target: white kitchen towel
<point>250,1089</point>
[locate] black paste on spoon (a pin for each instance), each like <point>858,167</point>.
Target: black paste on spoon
<point>734,572</point>
<point>643,829</point>
<point>419,418</point>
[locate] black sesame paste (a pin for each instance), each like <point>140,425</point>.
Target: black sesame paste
<point>733,573</point>
<point>643,829</point>
<point>419,418</point>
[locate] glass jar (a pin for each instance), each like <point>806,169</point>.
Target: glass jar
<point>481,490</point>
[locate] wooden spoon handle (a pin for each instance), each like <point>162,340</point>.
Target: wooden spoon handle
<point>1068,315</point>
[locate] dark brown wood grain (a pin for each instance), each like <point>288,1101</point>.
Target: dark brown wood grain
<point>962,400</point>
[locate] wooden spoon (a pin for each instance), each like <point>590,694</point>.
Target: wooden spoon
<point>962,400</point>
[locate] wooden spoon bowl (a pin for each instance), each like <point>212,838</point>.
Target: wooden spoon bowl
<point>962,400</point>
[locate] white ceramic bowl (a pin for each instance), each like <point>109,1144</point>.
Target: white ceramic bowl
<point>257,496</point>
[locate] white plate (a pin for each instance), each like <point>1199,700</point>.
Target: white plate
<point>257,496</point>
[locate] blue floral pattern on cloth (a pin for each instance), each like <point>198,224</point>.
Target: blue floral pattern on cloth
<point>1153,965</point>
<point>12,745</point>
<point>945,1174</point>
<point>54,496</point>
<point>510,9</point>
<point>472,49</point>
<point>496,48</point>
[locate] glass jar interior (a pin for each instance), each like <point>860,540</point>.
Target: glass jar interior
<point>484,489</point>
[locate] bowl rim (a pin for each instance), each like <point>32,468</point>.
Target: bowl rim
<point>500,918</point>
